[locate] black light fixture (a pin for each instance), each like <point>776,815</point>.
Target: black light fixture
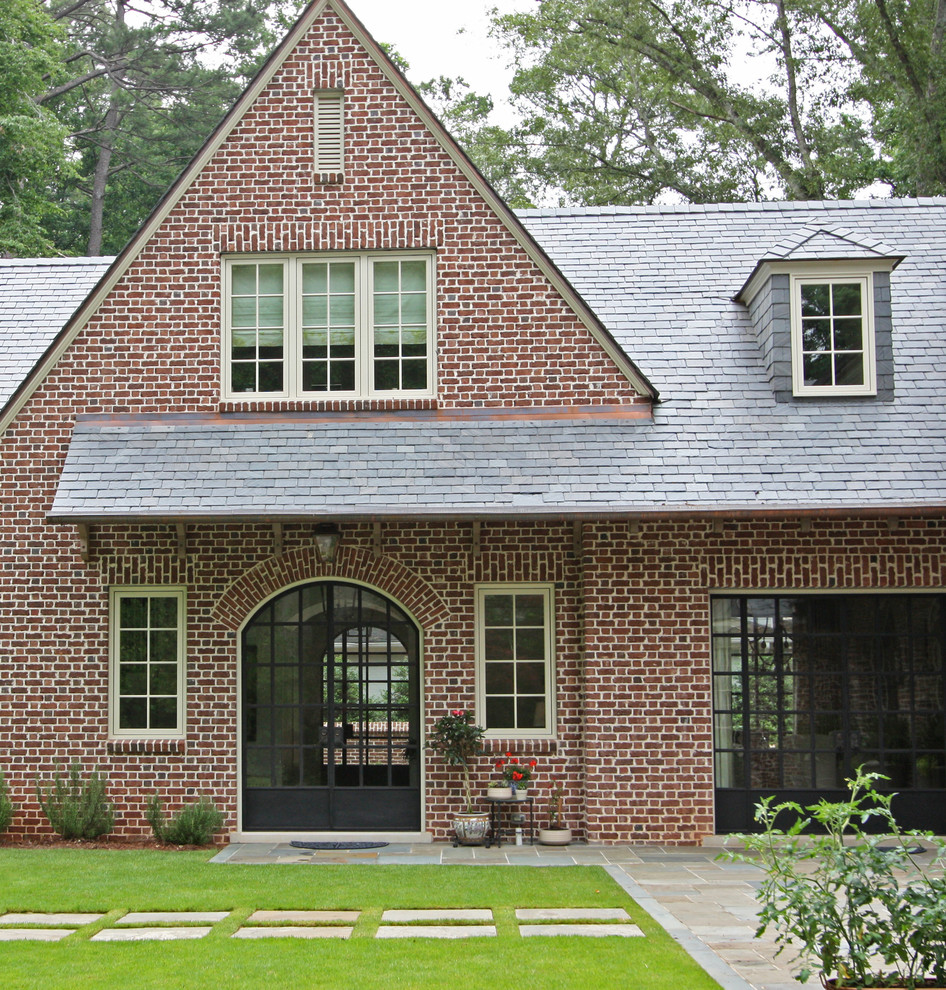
<point>326,541</point>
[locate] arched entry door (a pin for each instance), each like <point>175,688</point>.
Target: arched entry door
<point>331,712</point>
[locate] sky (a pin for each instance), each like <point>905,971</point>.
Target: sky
<point>425,33</point>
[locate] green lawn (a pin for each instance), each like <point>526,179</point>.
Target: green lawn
<point>118,881</point>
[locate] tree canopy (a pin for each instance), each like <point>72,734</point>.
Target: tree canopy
<point>147,82</point>
<point>709,100</point>
<point>32,140</point>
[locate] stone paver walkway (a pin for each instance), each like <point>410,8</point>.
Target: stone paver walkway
<point>710,908</point>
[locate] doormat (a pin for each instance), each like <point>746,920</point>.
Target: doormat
<point>338,845</point>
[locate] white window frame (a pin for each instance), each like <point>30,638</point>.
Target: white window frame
<point>547,590</point>
<point>116,595</point>
<point>292,320</point>
<point>833,276</point>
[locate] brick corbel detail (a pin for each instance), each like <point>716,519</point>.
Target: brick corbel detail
<point>385,574</point>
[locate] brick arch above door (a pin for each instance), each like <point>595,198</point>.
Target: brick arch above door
<point>244,595</point>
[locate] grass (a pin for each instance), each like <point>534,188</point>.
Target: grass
<point>118,881</point>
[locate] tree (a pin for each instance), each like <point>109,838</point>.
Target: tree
<point>149,79</point>
<point>32,140</point>
<point>627,100</point>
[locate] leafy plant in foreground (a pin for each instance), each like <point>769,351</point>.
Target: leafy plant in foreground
<point>194,825</point>
<point>77,808</point>
<point>6,805</point>
<point>856,907</point>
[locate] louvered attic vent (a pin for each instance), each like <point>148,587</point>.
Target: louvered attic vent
<point>329,124</point>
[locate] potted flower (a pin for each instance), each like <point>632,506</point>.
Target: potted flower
<point>459,740</point>
<point>555,834</point>
<point>858,908</point>
<point>516,773</point>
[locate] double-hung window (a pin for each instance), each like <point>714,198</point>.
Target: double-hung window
<point>515,659</point>
<point>832,335</point>
<point>147,675</point>
<point>311,326</point>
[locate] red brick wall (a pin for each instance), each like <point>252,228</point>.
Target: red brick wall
<point>635,750</point>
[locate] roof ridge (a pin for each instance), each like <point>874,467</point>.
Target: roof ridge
<point>766,206</point>
<point>40,262</point>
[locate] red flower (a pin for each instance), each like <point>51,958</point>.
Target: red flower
<point>516,775</point>
<point>532,763</point>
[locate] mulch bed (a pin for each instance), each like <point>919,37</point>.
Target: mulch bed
<point>54,842</point>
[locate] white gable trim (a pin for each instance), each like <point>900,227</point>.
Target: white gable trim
<point>134,247</point>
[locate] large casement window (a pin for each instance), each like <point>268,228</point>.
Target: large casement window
<point>515,659</point>
<point>147,675</point>
<point>807,688</point>
<point>305,327</point>
<point>833,335</point>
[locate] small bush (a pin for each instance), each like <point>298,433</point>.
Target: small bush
<point>6,805</point>
<point>77,808</point>
<point>194,824</point>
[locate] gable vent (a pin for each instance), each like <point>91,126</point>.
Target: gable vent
<point>329,121</point>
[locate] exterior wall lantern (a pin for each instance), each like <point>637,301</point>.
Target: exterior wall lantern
<point>326,541</point>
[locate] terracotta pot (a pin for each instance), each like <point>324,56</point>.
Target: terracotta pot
<point>555,836</point>
<point>471,830</point>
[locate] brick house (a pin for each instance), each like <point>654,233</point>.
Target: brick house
<point>658,492</point>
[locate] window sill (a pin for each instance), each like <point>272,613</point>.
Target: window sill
<point>170,747</point>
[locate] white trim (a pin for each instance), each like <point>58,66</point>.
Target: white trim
<point>547,590</point>
<point>115,594</point>
<point>239,835</point>
<point>830,275</point>
<point>829,266</point>
<point>292,264</point>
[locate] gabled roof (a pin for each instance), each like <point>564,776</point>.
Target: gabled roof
<point>315,10</point>
<point>818,242</point>
<point>37,297</point>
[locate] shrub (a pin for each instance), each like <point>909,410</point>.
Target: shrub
<point>194,824</point>
<point>77,808</point>
<point>6,805</point>
<point>857,907</point>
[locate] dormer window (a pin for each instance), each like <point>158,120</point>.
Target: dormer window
<point>821,309</point>
<point>832,335</point>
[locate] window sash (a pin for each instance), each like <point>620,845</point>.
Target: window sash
<point>515,660</point>
<point>344,326</point>
<point>823,340</point>
<point>147,662</point>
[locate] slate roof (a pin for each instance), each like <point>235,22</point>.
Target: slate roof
<point>662,279</point>
<point>37,297</point>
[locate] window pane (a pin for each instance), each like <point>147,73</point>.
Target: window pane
<point>133,713</point>
<point>342,311</point>
<point>530,678</point>
<point>163,678</point>
<point>500,678</point>
<point>497,610</point>
<point>817,369</point>
<point>270,377</point>
<point>243,280</point>
<point>498,644</point>
<point>530,610</point>
<point>270,279</point>
<point>315,278</point>
<point>163,713</point>
<point>530,713</point>
<point>342,277</point>
<point>413,275</point>
<point>163,613</point>
<point>530,644</point>
<point>847,299</point>
<point>500,713</point>
<point>243,378</point>
<point>386,376</point>
<point>163,646</point>
<point>133,613</point>
<point>816,335</point>
<point>315,344</point>
<point>133,678</point>
<point>314,311</point>
<point>386,276</point>
<point>414,375</point>
<point>133,645</point>
<point>243,311</point>
<point>414,308</point>
<point>815,300</point>
<point>847,335</point>
<point>386,311</point>
<point>270,311</point>
<point>849,369</point>
<point>343,376</point>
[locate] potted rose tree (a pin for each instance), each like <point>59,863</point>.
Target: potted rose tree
<point>555,833</point>
<point>459,741</point>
